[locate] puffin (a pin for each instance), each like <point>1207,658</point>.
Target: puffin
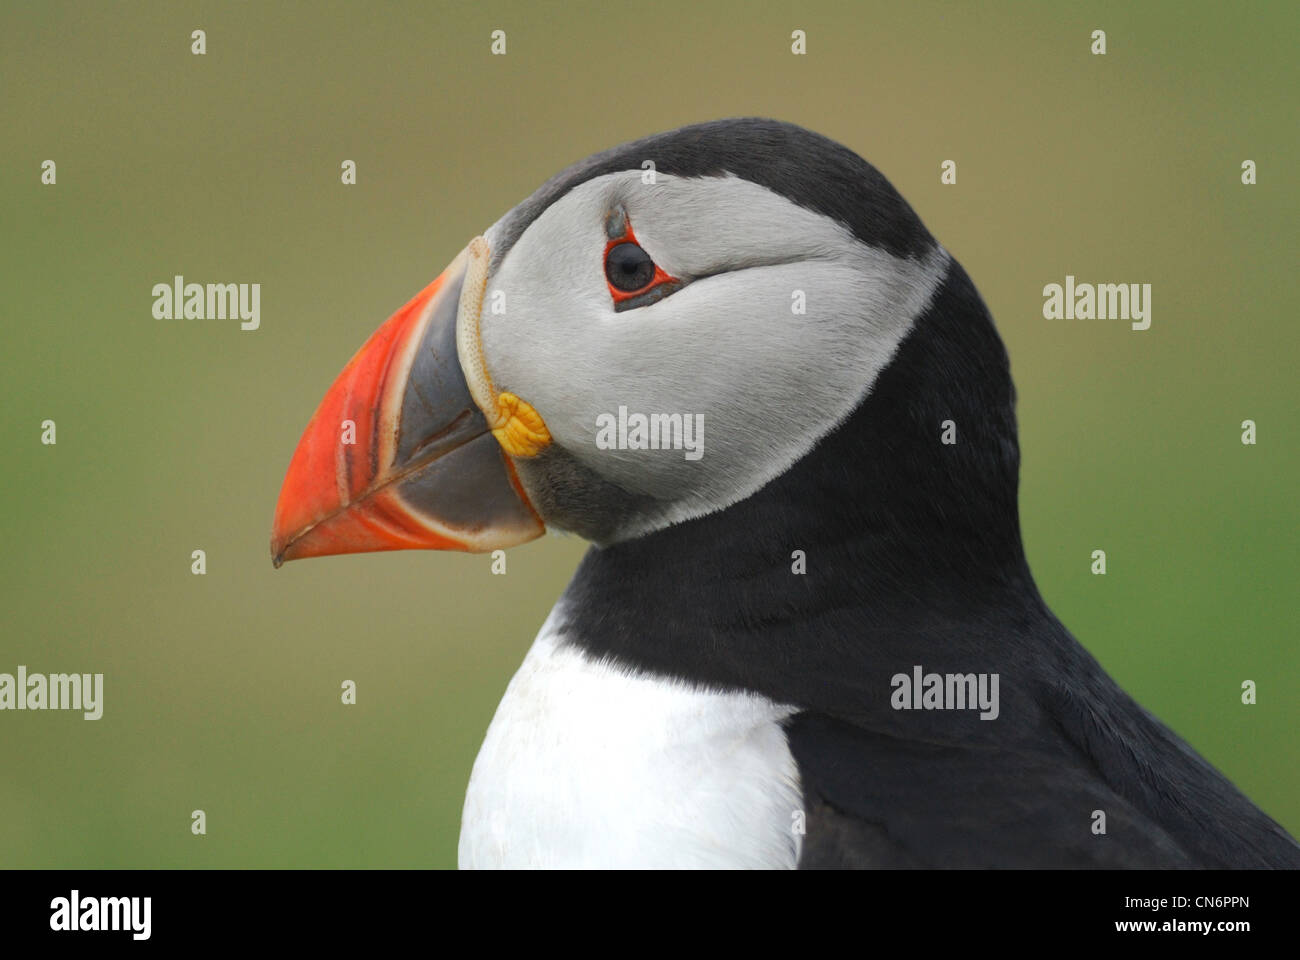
<point>733,359</point>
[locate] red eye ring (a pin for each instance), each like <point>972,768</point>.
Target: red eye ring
<point>661,283</point>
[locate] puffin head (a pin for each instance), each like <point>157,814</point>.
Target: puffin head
<point>654,335</point>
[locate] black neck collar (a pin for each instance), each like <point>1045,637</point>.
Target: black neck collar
<point>912,547</point>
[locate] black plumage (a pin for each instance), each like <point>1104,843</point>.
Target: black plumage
<point>914,556</point>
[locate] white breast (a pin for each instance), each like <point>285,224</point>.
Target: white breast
<point>589,765</point>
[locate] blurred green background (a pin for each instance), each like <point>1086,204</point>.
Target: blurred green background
<point>222,691</point>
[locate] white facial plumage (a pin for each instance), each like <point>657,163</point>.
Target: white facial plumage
<point>729,345</point>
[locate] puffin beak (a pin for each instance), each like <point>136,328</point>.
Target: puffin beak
<point>398,456</point>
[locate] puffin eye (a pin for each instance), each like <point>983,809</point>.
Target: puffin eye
<point>634,279</point>
<point>628,268</point>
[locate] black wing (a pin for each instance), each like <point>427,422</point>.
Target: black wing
<point>876,799</point>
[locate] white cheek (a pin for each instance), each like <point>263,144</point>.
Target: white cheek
<point>768,381</point>
<point>729,349</point>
